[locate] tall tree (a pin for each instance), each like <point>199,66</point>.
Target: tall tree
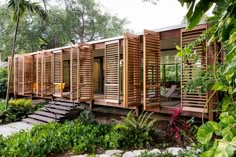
<point>90,22</point>
<point>19,8</point>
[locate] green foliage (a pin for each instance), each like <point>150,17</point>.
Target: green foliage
<point>3,82</point>
<point>150,154</point>
<point>136,132</point>
<point>17,109</point>
<point>62,26</point>
<point>54,138</point>
<point>218,138</point>
<point>87,117</point>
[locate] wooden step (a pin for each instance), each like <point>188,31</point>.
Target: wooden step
<point>42,118</point>
<point>62,103</point>
<point>67,108</point>
<point>63,112</point>
<point>32,121</point>
<point>49,114</point>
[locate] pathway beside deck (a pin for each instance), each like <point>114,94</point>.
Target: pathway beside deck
<point>11,128</point>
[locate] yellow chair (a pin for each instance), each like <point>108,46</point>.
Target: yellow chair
<point>59,87</point>
<point>35,87</point>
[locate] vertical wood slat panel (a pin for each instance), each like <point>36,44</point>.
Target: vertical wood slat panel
<point>28,74</point>
<point>151,69</point>
<point>57,73</point>
<point>73,73</point>
<point>35,74</point>
<point>194,101</point>
<point>20,79</point>
<point>85,72</point>
<point>15,76</point>
<point>112,62</point>
<point>39,79</point>
<point>47,74</point>
<point>132,70</point>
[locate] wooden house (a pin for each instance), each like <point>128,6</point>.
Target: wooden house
<point>130,71</point>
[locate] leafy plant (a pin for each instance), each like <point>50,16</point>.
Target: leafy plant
<point>150,154</point>
<point>3,82</point>
<point>136,132</point>
<point>181,129</point>
<point>87,117</point>
<point>17,109</point>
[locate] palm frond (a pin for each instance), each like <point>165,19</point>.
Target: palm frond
<point>146,119</point>
<point>36,8</point>
<point>143,118</point>
<point>19,8</point>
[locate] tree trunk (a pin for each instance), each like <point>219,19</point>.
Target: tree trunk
<point>12,61</point>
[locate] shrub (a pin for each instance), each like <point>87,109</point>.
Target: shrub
<point>3,82</point>
<point>87,117</point>
<point>136,132</point>
<point>54,138</point>
<point>150,154</point>
<point>17,109</point>
<point>182,130</point>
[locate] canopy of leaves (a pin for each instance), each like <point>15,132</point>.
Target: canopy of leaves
<point>80,20</point>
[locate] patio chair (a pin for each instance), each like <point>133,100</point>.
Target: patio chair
<point>168,94</point>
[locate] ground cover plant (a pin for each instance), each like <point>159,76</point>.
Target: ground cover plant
<point>16,110</point>
<point>80,137</point>
<point>3,82</point>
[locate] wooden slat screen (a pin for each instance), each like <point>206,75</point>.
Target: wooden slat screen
<point>39,79</point>
<point>132,65</point>
<point>57,73</point>
<point>193,101</point>
<point>112,62</point>
<point>73,74</point>
<point>20,76</point>
<point>85,72</point>
<point>15,76</point>
<point>151,69</point>
<point>28,74</point>
<point>47,74</point>
<point>34,74</point>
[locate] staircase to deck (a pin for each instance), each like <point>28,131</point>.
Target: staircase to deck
<point>52,112</point>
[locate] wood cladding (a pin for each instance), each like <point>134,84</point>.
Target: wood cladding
<point>196,100</point>
<point>47,74</point>
<point>132,66</point>
<point>28,74</point>
<point>85,72</point>
<point>151,69</point>
<point>73,73</point>
<point>112,63</point>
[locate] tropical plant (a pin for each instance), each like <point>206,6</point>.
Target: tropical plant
<point>137,132</point>
<point>17,109</point>
<point>182,130</point>
<point>87,117</point>
<point>150,154</point>
<point>19,7</point>
<point>218,138</point>
<point>3,82</point>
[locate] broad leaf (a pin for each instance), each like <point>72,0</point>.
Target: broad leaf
<point>219,86</point>
<point>205,132</point>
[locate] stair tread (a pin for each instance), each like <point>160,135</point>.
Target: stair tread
<point>56,106</point>
<point>48,114</point>
<point>62,103</point>
<point>54,110</point>
<point>32,121</point>
<point>42,118</point>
